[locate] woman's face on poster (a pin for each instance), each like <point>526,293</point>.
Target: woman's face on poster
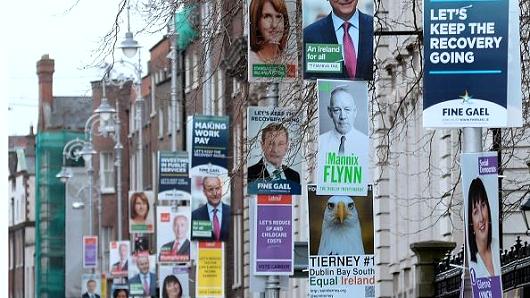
<point>271,24</point>
<point>140,207</point>
<point>173,289</point>
<point>480,218</point>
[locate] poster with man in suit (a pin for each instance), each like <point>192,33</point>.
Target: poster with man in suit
<point>338,39</point>
<point>211,215</point>
<point>173,233</point>
<point>275,161</point>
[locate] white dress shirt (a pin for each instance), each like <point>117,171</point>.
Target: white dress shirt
<point>219,213</point>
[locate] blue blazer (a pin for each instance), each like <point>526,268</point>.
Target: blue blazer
<point>201,213</point>
<point>152,282</point>
<point>322,31</point>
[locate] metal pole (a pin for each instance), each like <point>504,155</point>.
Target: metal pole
<point>472,143</point>
<point>90,172</point>
<point>139,106</point>
<point>271,98</point>
<point>118,148</point>
<point>207,87</point>
<point>173,84</point>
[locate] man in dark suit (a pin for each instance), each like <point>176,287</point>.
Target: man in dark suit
<point>357,41</point>
<point>274,144</point>
<point>145,278</point>
<point>90,289</point>
<point>215,211</point>
<point>121,267</point>
<point>178,249</point>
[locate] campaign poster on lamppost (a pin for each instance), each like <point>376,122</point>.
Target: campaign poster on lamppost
<point>338,39</point>
<point>141,212</point>
<point>119,253</point>
<point>209,145</point>
<point>481,209</point>
<point>173,233</point>
<point>273,237</point>
<point>91,285</point>
<point>466,63</point>
<point>341,245</point>
<point>173,281</point>
<point>275,152</point>
<point>142,277</point>
<point>272,48</point>
<point>211,211</point>
<point>210,269</point>
<point>90,252</point>
<point>173,176</point>
<point>342,158</point>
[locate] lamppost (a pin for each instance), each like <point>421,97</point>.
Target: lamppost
<point>525,208</point>
<point>130,48</point>
<point>74,149</point>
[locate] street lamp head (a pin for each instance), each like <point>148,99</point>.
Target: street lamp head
<point>525,210</point>
<point>105,110</point>
<point>78,205</point>
<point>64,175</point>
<point>87,151</point>
<point>129,46</point>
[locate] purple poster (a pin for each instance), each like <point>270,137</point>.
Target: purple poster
<point>274,235</point>
<point>481,203</point>
<point>90,248</point>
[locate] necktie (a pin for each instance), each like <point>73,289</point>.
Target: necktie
<point>216,226</point>
<point>175,248</point>
<point>341,146</point>
<point>146,286</point>
<point>350,58</point>
<point>277,174</point>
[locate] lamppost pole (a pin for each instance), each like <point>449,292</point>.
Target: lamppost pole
<point>174,82</point>
<point>117,163</point>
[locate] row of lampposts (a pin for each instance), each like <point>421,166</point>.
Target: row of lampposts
<point>106,120</point>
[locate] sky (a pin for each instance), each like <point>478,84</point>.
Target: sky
<point>70,37</point>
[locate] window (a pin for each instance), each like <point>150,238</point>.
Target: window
<point>169,120</point>
<point>195,70</point>
<point>217,91</point>
<point>187,74</point>
<point>153,98</point>
<point>106,172</point>
<point>160,122</point>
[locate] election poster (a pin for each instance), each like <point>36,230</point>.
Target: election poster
<point>90,252</point>
<point>209,142</point>
<point>273,237</point>
<point>210,204</point>
<point>338,39</point>
<point>342,158</point>
<point>142,277</point>
<point>173,176</point>
<point>272,47</point>
<point>119,252</point>
<point>210,270</point>
<point>90,285</point>
<point>141,212</point>
<point>173,233</point>
<point>275,151</point>
<point>481,209</point>
<point>173,281</point>
<point>341,245</point>
<point>466,63</point>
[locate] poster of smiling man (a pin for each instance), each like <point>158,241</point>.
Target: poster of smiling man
<point>173,233</point>
<point>342,159</point>
<point>275,161</point>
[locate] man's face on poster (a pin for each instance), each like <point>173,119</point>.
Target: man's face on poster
<point>180,227</point>
<point>143,264</point>
<point>344,9</point>
<point>91,286</point>
<point>275,146</point>
<point>213,190</point>
<point>343,111</point>
<point>123,252</point>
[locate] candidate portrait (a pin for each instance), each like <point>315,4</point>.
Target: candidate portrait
<point>144,282</point>
<point>179,247</point>
<point>349,27</point>
<point>120,267</point>
<point>214,211</point>
<point>271,166</point>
